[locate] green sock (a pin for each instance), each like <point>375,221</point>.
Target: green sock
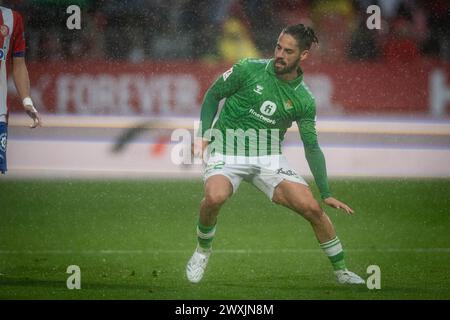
<point>205,236</point>
<point>334,252</point>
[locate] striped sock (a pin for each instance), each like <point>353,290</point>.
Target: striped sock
<point>334,252</point>
<point>205,236</point>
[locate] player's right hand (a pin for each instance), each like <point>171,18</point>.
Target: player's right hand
<point>198,148</point>
<point>33,114</point>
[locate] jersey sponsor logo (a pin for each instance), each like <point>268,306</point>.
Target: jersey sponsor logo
<point>227,73</point>
<point>3,142</point>
<point>261,117</point>
<point>4,30</point>
<point>258,89</point>
<point>268,108</point>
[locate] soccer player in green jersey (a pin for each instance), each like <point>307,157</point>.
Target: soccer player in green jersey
<point>264,98</point>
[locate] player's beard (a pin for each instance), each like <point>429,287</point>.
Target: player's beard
<point>286,68</point>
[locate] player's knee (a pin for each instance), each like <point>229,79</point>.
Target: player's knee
<point>312,212</point>
<point>215,198</point>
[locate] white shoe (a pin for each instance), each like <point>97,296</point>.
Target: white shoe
<point>346,276</point>
<point>197,265</point>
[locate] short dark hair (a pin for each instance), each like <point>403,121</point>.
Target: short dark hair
<point>304,35</point>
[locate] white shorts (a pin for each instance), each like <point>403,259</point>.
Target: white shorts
<point>264,172</point>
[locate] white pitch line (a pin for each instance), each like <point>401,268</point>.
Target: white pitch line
<point>226,251</point>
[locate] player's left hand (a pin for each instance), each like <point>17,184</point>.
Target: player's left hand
<point>335,203</point>
<point>33,114</point>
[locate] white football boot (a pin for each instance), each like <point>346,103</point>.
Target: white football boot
<point>197,265</point>
<point>348,277</point>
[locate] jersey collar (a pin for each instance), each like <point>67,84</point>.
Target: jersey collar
<point>294,82</point>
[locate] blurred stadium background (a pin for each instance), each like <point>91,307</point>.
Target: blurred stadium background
<point>112,93</point>
<point>383,95</point>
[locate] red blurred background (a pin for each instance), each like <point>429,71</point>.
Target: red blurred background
<point>157,58</point>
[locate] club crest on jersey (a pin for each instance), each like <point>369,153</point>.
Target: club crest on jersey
<point>4,30</point>
<point>2,55</point>
<point>288,105</point>
<point>268,108</point>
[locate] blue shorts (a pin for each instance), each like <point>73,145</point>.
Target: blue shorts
<point>3,142</point>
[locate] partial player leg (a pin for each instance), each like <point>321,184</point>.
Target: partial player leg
<point>218,189</point>
<point>299,198</point>
<point>3,143</point>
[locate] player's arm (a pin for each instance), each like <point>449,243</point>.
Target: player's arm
<point>316,159</point>
<point>20,71</point>
<point>22,82</point>
<point>224,86</point>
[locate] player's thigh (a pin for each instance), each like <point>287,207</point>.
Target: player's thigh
<point>271,176</point>
<point>295,196</point>
<point>221,178</point>
<point>218,188</point>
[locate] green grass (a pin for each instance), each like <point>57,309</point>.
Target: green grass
<point>132,240</point>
